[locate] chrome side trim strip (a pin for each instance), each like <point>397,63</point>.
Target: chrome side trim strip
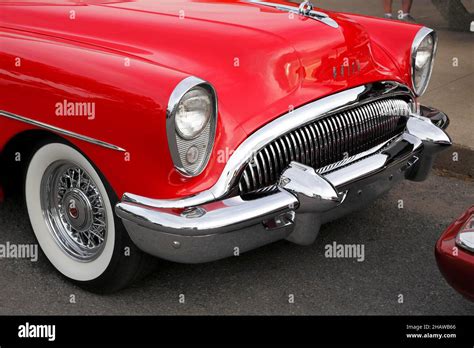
<point>60,131</point>
<point>275,129</point>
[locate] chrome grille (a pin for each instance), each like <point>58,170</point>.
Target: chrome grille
<point>326,141</point>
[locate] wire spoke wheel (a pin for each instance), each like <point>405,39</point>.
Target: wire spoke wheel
<point>74,210</point>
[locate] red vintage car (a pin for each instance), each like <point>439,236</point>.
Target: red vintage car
<point>455,254</point>
<point>195,130</point>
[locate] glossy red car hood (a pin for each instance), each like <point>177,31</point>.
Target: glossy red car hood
<point>262,61</point>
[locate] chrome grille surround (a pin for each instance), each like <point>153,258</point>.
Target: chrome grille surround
<point>327,141</point>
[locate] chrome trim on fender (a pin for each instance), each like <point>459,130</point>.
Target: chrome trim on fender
<point>273,130</point>
<point>60,131</point>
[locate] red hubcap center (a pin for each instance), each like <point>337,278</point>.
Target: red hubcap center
<point>74,212</point>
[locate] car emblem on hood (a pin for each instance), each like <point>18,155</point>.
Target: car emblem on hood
<point>305,9</point>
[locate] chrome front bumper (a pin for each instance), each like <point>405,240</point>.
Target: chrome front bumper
<point>303,200</point>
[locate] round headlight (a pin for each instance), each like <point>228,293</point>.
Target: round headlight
<point>193,112</point>
<point>423,51</point>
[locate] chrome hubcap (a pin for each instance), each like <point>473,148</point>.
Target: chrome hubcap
<point>74,211</point>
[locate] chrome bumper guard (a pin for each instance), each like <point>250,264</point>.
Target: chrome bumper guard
<point>302,201</point>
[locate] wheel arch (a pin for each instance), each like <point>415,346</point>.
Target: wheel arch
<point>17,152</point>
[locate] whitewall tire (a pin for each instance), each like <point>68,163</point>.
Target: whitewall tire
<point>71,213</point>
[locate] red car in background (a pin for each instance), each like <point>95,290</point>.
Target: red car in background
<point>455,254</point>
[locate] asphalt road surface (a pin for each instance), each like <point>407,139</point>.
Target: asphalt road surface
<point>399,260</point>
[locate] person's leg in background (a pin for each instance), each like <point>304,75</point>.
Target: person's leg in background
<point>387,5</point>
<point>406,8</point>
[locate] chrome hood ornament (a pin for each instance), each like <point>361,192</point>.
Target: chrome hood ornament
<point>305,9</point>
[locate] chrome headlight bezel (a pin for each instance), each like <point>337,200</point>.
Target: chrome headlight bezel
<point>420,37</point>
<point>203,142</point>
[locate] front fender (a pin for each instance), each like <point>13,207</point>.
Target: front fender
<point>129,97</point>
